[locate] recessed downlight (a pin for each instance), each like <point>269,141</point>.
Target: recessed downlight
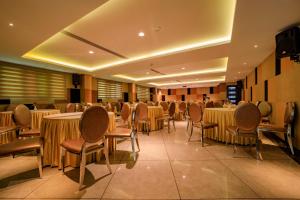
<point>147,73</point>
<point>255,46</point>
<point>244,63</point>
<point>91,52</point>
<point>141,34</point>
<point>239,72</point>
<point>11,24</point>
<point>183,68</point>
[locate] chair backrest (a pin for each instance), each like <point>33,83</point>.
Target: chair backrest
<point>217,104</point>
<point>209,104</point>
<point>11,107</point>
<point>94,124</point>
<point>108,107</point>
<point>241,102</point>
<point>195,112</point>
<point>141,113</point>
<point>172,108</point>
<point>289,114</point>
<point>247,117</point>
<point>182,106</point>
<point>164,105</point>
<point>71,107</point>
<point>202,106</point>
<point>156,103</point>
<point>22,116</point>
<point>265,108</point>
<point>125,112</point>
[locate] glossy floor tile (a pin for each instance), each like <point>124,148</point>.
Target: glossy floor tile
<point>166,167</point>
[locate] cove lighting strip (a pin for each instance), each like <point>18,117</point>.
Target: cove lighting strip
<point>207,71</point>
<point>189,47</point>
<point>190,82</point>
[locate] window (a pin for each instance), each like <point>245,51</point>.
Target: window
<point>109,89</point>
<point>23,84</point>
<point>143,93</point>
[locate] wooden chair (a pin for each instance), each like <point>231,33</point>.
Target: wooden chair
<point>93,125</point>
<point>165,107</point>
<point>170,117</point>
<point>141,116</point>
<point>120,132</point>
<point>286,129</point>
<point>209,104</point>
<point>196,115</point>
<point>265,109</point>
<point>70,107</point>
<point>247,118</point>
<point>182,109</point>
<point>23,145</point>
<point>122,120</point>
<point>22,118</point>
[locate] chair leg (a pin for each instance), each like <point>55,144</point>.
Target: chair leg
<point>40,164</point>
<point>132,137</point>
<point>168,126</point>
<point>191,131</point>
<point>289,140</point>
<point>62,159</point>
<point>234,144</point>
<point>258,149</point>
<point>137,141</point>
<point>174,124</point>
<point>202,136</point>
<point>188,124</point>
<point>106,155</point>
<point>82,169</point>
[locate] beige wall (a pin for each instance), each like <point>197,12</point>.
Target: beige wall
<point>282,88</point>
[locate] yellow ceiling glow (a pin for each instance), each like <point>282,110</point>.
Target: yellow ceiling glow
<point>222,79</point>
<point>198,72</point>
<point>212,39</point>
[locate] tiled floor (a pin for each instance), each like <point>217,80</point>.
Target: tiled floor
<point>167,167</point>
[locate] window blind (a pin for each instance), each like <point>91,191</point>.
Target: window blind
<point>143,93</point>
<point>109,89</point>
<point>27,84</point>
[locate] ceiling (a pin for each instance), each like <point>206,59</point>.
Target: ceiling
<point>186,43</point>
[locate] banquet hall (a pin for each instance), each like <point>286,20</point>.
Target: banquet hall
<point>149,99</point>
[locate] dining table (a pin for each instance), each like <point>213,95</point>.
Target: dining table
<point>6,119</point>
<point>59,127</point>
<point>224,117</point>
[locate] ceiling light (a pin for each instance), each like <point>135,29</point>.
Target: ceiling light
<point>91,52</point>
<point>255,46</point>
<point>244,63</point>
<point>239,72</point>
<point>141,34</point>
<point>182,68</point>
<point>148,73</point>
<point>11,24</point>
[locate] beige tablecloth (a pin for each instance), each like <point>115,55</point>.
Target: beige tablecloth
<point>224,117</point>
<point>36,118</point>
<point>57,128</point>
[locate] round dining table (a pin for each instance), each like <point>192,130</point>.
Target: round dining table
<point>224,117</point>
<point>6,119</point>
<point>59,127</point>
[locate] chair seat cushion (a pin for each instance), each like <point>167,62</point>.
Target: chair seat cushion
<point>18,146</point>
<point>205,125</point>
<point>233,130</point>
<point>271,128</point>
<point>119,132</point>
<point>75,145</point>
<point>30,132</point>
